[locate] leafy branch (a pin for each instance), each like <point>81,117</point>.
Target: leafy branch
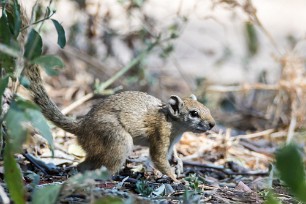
<point>39,21</point>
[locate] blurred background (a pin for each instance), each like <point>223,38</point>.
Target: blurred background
<point>244,59</point>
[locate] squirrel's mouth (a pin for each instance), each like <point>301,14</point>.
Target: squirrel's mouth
<point>203,127</point>
<point>201,130</point>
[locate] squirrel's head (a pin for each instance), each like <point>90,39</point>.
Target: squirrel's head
<point>190,113</point>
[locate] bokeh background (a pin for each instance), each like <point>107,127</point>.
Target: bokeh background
<point>244,59</point>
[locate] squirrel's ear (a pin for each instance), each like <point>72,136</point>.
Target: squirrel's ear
<point>193,97</point>
<point>175,105</point>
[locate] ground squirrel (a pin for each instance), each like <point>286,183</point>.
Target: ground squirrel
<point>109,130</point>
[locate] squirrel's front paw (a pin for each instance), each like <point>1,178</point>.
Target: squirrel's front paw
<point>179,170</point>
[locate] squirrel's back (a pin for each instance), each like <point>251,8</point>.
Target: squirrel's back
<point>129,108</point>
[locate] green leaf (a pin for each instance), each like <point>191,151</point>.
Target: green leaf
<point>61,39</point>
<point>39,122</point>
<point>252,39</point>
<point>24,81</point>
<point>49,62</point>
<point>143,188</point>
<point>20,113</point>
<point>47,194</point>
<point>32,113</point>
<point>14,19</point>
<point>109,200</point>
<point>5,33</point>
<point>271,199</point>
<point>33,46</point>
<point>13,177</point>
<point>7,62</point>
<point>88,176</point>
<point>48,11</point>
<point>25,104</point>
<point>15,121</point>
<point>3,85</point>
<point>290,165</point>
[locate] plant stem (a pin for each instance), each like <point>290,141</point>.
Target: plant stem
<point>134,62</point>
<point>9,51</point>
<point>39,21</point>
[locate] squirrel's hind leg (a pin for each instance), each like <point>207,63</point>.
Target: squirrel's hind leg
<point>111,155</point>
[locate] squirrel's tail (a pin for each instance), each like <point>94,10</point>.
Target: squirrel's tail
<point>41,98</point>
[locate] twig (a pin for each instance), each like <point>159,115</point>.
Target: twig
<point>46,15</point>
<point>36,22</point>
<point>253,135</point>
<point>107,83</point>
<point>245,87</point>
<point>227,171</point>
<point>36,163</point>
<point>120,178</point>
<point>291,128</point>
<point>77,103</point>
<point>134,62</point>
<point>9,51</point>
<point>208,166</point>
<point>254,148</point>
<point>93,62</point>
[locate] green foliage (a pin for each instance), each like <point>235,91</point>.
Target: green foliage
<point>13,176</point>
<point>190,197</point>
<point>252,39</point>
<point>109,200</point>
<point>19,114</point>
<point>22,113</point>
<point>16,126</point>
<point>270,199</point>
<point>38,121</point>
<point>143,188</point>
<point>291,169</point>
<point>89,176</point>
<point>47,194</point>
<point>6,38</point>
<point>194,183</point>
<point>33,46</point>
<point>14,20</point>
<point>49,62</point>
<point>61,39</point>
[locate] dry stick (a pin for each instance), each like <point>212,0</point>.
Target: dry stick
<point>93,62</point>
<point>291,129</point>
<point>107,83</point>
<point>245,87</point>
<point>227,171</point>
<point>77,103</point>
<point>253,135</point>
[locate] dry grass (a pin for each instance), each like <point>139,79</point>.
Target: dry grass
<point>288,105</point>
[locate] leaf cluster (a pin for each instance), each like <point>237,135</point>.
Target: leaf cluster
<point>22,113</point>
<point>291,169</point>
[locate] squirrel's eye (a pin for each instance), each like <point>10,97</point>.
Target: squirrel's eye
<point>194,114</point>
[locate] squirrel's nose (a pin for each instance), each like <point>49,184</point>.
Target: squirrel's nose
<point>211,124</point>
